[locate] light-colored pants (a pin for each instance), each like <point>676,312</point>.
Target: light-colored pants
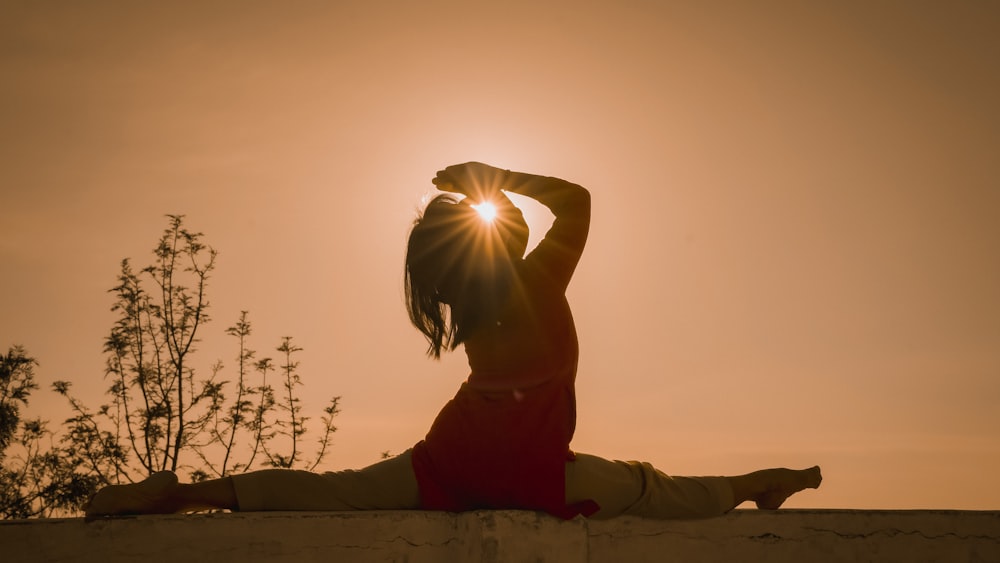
<point>619,487</point>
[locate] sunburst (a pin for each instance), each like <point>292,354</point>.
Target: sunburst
<point>486,210</point>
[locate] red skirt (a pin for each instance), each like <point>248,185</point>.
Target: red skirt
<point>500,450</point>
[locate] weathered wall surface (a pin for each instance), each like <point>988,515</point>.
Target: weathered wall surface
<point>805,536</point>
<point>491,536</point>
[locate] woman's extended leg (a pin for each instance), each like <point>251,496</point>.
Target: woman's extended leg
<point>389,484</point>
<point>386,485</point>
<point>639,489</point>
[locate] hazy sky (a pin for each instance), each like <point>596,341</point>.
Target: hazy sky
<point>795,250</point>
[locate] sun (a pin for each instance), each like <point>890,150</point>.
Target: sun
<point>487,211</point>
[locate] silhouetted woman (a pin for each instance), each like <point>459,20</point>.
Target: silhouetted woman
<point>503,441</point>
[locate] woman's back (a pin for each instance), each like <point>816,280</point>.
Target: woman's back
<point>532,341</point>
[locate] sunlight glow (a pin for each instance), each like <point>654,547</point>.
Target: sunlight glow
<point>487,211</point>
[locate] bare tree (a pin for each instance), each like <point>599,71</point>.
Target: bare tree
<point>161,415</point>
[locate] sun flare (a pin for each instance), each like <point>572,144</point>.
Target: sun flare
<point>487,211</point>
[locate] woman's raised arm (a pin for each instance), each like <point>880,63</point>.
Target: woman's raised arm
<point>559,251</point>
<point>557,255</point>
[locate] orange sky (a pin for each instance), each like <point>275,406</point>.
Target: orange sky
<point>795,250</point>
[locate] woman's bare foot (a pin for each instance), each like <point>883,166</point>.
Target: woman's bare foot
<point>779,484</point>
<point>770,488</point>
<point>150,496</point>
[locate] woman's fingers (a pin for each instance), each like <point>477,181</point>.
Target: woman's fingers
<point>473,179</point>
<point>446,183</point>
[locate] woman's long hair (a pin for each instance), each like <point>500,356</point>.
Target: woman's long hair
<point>459,271</point>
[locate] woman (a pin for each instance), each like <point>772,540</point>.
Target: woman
<point>503,441</point>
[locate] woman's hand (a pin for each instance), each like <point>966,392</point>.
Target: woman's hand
<point>475,180</point>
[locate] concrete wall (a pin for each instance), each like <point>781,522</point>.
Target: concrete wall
<point>489,536</point>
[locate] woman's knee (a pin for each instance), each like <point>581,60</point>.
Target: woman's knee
<point>388,484</point>
<point>614,485</point>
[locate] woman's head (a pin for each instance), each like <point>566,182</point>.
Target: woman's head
<point>459,267</point>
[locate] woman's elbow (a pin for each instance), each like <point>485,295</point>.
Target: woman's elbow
<point>581,197</point>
